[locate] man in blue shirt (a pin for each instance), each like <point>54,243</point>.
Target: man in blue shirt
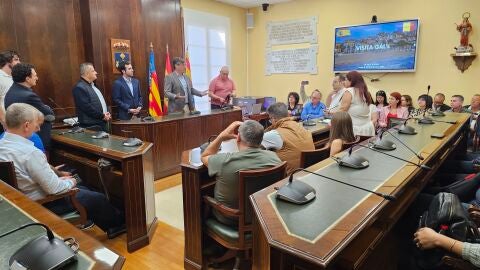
<point>314,108</point>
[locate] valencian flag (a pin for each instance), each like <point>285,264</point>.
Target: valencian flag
<point>168,70</point>
<point>188,70</point>
<point>154,101</point>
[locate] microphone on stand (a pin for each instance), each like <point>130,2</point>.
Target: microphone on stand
<point>384,144</point>
<point>354,162</point>
<point>404,129</point>
<point>419,156</point>
<point>298,192</point>
<point>426,120</point>
<point>309,122</point>
<point>425,167</point>
<point>76,125</point>
<point>206,144</point>
<point>131,142</point>
<point>441,121</point>
<point>43,252</point>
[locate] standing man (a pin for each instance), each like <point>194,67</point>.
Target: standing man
<point>126,92</point>
<point>25,77</point>
<point>179,90</point>
<point>438,103</point>
<point>334,97</point>
<point>8,59</point>
<point>220,88</point>
<point>89,102</point>
<point>457,104</point>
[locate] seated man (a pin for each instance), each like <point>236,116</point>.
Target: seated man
<point>37,180</point>
<point>286,137</point>
<point>315,108</point>
<point>457,104</point>
<point>225,166</point>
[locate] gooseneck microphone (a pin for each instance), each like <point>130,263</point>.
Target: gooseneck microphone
<point>382,143</point>
<point>426,120</point>
<point>419,156</point>
<point>49,232</point>
<point>206,144</point>
<point>43,252</point>
<point>404,129</point>
<point>76,125</point>
<point>425,167</point>
<point>435,120</point>
<point>287,197</point>
<point>352,161</point>
<point>309,122</point>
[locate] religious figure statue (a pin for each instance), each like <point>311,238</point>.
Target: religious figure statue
<point>465,27</point>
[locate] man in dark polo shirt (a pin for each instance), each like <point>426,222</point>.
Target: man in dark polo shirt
<point>225,166</point>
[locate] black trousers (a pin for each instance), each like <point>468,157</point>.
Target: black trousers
<point>99,209</point>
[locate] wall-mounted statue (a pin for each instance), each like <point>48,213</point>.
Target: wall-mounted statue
<point>465,27</point>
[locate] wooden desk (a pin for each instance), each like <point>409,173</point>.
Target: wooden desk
<point>320,133</point>
<point>129,182</point>
<point>335,231</point>
<point>195,184</point>
<point>103,257</point>
<point>174,133</point>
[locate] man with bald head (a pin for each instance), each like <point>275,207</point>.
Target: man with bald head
<point>220,88</point>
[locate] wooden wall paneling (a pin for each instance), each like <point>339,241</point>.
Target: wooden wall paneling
<point>8,35</point>
<point>212,125</point>
<point>193,136</point>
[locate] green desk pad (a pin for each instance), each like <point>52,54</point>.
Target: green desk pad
<point>109,143</point>
<point>333,201</point>
<point>13,217</point>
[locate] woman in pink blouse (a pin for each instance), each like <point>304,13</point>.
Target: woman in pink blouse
<point>393,110</point>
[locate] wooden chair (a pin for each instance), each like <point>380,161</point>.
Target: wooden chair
<point>310,157</point>
<point>78,217</point>
<point>239,238</point>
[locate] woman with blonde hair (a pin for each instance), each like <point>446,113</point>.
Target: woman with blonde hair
<point>341,132</point>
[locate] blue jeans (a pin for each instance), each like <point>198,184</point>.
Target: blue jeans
<point>99,209</point>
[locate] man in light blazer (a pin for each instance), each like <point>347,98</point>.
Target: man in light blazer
<point>179,90</point>
<point>126,92</point>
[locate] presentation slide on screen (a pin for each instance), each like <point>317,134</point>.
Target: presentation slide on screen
<point>376,47</point>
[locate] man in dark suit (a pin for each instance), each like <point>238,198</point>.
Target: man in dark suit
<point>179,90</point>
<point>89,102</point>
<point>126,92</point>
<point>24,78</point>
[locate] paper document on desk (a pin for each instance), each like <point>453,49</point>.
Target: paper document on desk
<point>229,146</point>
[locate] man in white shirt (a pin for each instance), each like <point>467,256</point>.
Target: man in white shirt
<point>8,59</point>
<point>36,179</point>
<point>334,97</point>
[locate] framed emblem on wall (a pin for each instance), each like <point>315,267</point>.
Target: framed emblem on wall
<point>120,52</point>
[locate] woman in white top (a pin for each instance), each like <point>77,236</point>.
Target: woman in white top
<point>356,101</point>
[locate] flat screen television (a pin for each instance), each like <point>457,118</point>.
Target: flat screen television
<point>377,47</point>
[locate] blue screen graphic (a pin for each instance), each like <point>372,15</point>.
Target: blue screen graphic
<point>376,47</point>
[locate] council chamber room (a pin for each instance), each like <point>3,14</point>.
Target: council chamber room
<point>239,134</point>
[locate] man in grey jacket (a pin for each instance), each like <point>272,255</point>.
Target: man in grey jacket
<point>179,90</point>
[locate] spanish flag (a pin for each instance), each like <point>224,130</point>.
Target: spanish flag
<point>188,70</point>
<point>408,26</point>
<point>154,101</point>
<point>168,70</point>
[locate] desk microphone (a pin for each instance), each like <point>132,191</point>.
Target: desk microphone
<point>426,120</point>
<point>131,142</point>
<point>354,162</point>
<point>76,125</point>
<point>435,120</point>
<point>384,144</point>
<point>298,192</point>
<point>44,252</point>
<point>404,129</point>
<point>425,167</point>
<point>419,156</point>
<point>205,145</point>
<point>309,122</point>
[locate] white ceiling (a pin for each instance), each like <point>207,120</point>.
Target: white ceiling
<point>252,3</point>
